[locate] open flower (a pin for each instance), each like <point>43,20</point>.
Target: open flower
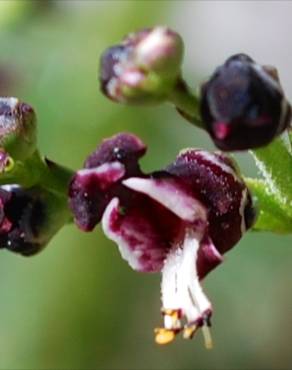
<point>178,221</point>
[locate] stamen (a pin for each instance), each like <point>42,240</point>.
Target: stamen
<point>207,337</point>
<point>164,336</point>
<point>189,331</point>
<point>172,318</point>
<point>182,294</point>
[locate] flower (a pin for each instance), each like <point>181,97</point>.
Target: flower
<point>178,221</point>
<point>243,105</point>
<point>29,218</point>
<point>143,68</point>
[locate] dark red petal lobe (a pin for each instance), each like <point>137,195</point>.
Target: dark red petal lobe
<point>144,231</point>
<point>208,257</point>
<point>220,189</point>
<point>88,194</point>
<point>125,148</point>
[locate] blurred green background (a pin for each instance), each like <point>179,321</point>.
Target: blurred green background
<point>78,305</point>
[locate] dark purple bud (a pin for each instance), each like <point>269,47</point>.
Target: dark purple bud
<point>29,218</point>
<point>143,68</point>
<point>179,221</point>
<point>243,105</point>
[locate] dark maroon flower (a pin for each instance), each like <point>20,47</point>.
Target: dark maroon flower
<point>143,67</point>
<point>179,221</point>
<point>243,105</point>
<point>29,218</point>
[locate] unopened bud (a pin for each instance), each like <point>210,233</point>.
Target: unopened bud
<point>17,128</point>
<point>143,68</point>
<point>243,105</point>
<point>160,51</point>
<point>29,218</point>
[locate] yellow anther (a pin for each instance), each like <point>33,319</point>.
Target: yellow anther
<point>174,318</point>
<point>170,312</point>
<point>164,336</point>
<point>189,331</point>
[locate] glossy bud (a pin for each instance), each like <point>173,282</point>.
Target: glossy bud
<point>243,105</point>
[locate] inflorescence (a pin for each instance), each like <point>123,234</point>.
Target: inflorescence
<point>178,221</point>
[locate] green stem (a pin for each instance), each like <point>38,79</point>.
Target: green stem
<point>39,171</point>
<point>186,103</point>
<point>55,177</point>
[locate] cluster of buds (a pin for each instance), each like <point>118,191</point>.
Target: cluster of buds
<point>242,106</point>
<point>30,212</point>
<point>178,221</point>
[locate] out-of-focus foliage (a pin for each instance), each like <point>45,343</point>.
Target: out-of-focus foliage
<point>78,304</point>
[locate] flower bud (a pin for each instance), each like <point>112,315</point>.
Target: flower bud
<point>143,68</point>
<point>29,218</point>
<point>17,128</point>
<point>243,105</point>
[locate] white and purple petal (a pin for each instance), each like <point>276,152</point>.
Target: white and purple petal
<point>144,232</point>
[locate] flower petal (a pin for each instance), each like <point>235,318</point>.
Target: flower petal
<point>171,194</point>
<point>88,192</point>
<point>208,257</point>
<point>125,148</point>
<point>142,238</point>
<point>104,176</point>
<point>218,185</point>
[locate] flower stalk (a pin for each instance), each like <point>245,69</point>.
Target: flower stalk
<point>37,170</point>
<point>186,103</point>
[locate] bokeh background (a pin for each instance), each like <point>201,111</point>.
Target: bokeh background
<point>78,305</point>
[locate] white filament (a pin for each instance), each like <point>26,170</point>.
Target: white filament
<point>180,288</point>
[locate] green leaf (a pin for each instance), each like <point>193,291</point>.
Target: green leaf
<point>272,215</point>
<point>275,165</point>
